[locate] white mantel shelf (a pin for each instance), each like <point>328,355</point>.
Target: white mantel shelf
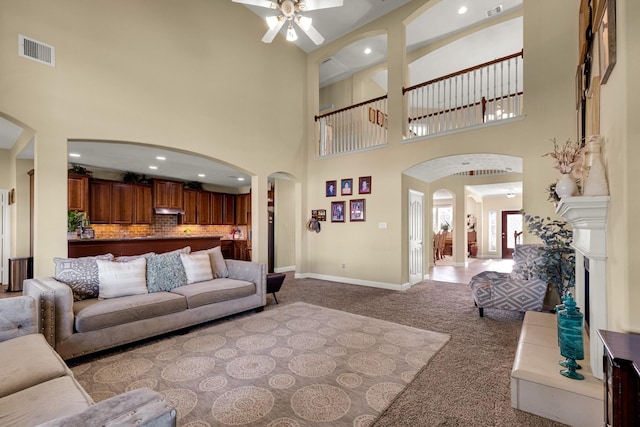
<point>585,212</point>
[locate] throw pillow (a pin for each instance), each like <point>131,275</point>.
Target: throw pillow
<point>218,264</point>
<point>133,257</point>
<point>197,266</point>
<point>119,279</point>
<point>80,274</point>
<point>165,272</point>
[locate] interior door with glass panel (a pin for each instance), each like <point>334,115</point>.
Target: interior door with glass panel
<point>416,237</point>
<point>511,232</point>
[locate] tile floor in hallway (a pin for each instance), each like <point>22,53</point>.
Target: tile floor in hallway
<point>445,271</point>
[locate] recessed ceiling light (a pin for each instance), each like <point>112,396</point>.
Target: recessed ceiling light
<point>240,178</point>
<point>74,155</point>
<point>153,167</point>
<point>462,10</point>
<point>367,51</point>
<point>161,158</point>
<point>201,175</point>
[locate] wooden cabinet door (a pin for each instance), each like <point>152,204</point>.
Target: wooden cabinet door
<point>100,201</point>
<point>226,247</point>
<point>78,192</point>
<point>217,208</point>
<point>176,195</point>
<point>204,208</point>
<point>143,204</point>
<point>190,206</point>
<point>122,199</point>
<point>229,214</point>
<point>167,194</point>
<point>239,250</point>
<point>243,209</point>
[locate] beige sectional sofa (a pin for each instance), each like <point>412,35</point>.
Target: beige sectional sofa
<point>79,327</point>
<point>38,389</point>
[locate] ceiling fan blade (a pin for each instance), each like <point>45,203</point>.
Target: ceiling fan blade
<point>313,34</point>
<point>271,34</point>
<point>321,4</point>
<point>261,3</point>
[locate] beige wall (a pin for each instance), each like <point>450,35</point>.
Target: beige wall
<point>5,165</point>
<point>284,230</point>
<point>151,72</point>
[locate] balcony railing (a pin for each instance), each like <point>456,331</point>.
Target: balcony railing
<point>357,127</point>
<point>485,93</point>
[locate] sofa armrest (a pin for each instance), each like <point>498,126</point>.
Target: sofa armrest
<point>250,272</point>
<point>141,407</point>
<point>54,302</point>
<point>17,317</point>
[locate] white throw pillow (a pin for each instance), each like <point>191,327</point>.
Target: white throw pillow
<point>218,264</point>
<point>119,279</point>
<point>197,266</point>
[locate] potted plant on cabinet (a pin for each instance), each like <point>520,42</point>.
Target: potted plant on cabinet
<point>75,220</point>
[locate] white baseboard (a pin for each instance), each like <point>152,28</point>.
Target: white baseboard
<point>284,269</point>
<point>369,283</point>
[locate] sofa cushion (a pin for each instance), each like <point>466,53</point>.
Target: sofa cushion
<point>127,258</point>
<point>119,279</point>
<point>94,314</point>
<point>216,290</point>
<point>26,361</point>
<point>197,266</point>
<point>43,402</point>
<point>218,264</point>
<point>165,272</point>
<point>80,274</point>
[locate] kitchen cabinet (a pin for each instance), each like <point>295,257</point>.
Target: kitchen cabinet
<point>78,192</point>
<point>190,206</point>
<point>243,209</point>
<point>217,208</point>
<point>122,203</point>
<point>143,204</point>
<point>167,194</point>
<point>621,378</point>
<point>229,209</point>
<point>226,247</point>
<point>240,250</point>
<point>100,201</point>
<point>204,208</point>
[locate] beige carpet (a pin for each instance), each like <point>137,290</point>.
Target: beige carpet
<point>295,365</point>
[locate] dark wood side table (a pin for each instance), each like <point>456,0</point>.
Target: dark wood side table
<point>621,378</point>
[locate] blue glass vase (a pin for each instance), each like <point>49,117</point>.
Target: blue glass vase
<point>570,337</point>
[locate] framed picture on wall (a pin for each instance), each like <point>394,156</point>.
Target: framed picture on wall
<point>607,40</point>
<point>331,189</point>
<point>346,187</point>
<point>364,185</point>
<point>337,211</point>
<point>357,210</point>
<point>322,214</point>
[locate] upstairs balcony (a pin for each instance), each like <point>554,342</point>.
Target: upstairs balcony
<point>486,93</point>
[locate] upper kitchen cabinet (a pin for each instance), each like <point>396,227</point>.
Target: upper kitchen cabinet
<point>167,194</point>
<point>217,208</point>
<point>122,203</point>
<point>190,206</point>
<point>78,192</point>
<point>143,204</point>
<point>100,205</point>
<point>229,209</point>
<point>243,209</point>
<point>204,208</point>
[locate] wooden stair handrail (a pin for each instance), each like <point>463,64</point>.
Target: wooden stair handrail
<point>360,104</point>
<point>467,70</point>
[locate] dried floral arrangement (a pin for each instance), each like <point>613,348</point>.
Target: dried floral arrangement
<point>569,158</point>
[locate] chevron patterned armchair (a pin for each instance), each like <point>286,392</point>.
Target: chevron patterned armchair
<point>520,290</point>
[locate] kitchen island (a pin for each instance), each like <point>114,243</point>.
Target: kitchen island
<point>138,245</point>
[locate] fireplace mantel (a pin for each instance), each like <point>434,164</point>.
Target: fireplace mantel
<point>588,217</point>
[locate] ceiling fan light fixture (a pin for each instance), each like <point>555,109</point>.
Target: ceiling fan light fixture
<point>291,34</point>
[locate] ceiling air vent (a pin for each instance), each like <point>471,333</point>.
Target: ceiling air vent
<point>493,12</point>
<point>38,51</point>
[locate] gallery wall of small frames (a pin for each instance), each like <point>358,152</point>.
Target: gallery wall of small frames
<point>355,210</point>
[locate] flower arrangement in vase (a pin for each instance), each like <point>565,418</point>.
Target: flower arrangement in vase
<point>569,160</point>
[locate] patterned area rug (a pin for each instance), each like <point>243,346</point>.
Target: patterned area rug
<point>296,365</point>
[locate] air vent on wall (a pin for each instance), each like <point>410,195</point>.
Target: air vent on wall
<point>493,12</point>
<point>37,51</point>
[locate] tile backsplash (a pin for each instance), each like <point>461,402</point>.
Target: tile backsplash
<point>164,226</point>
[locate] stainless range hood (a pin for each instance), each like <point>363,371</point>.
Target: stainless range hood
<point>168,211</point>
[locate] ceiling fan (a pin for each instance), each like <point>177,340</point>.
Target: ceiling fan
<point>289,13</point>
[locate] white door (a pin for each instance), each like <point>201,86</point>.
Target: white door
<point>416,237</point>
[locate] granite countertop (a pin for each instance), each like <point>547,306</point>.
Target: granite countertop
<point>122,239</point>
